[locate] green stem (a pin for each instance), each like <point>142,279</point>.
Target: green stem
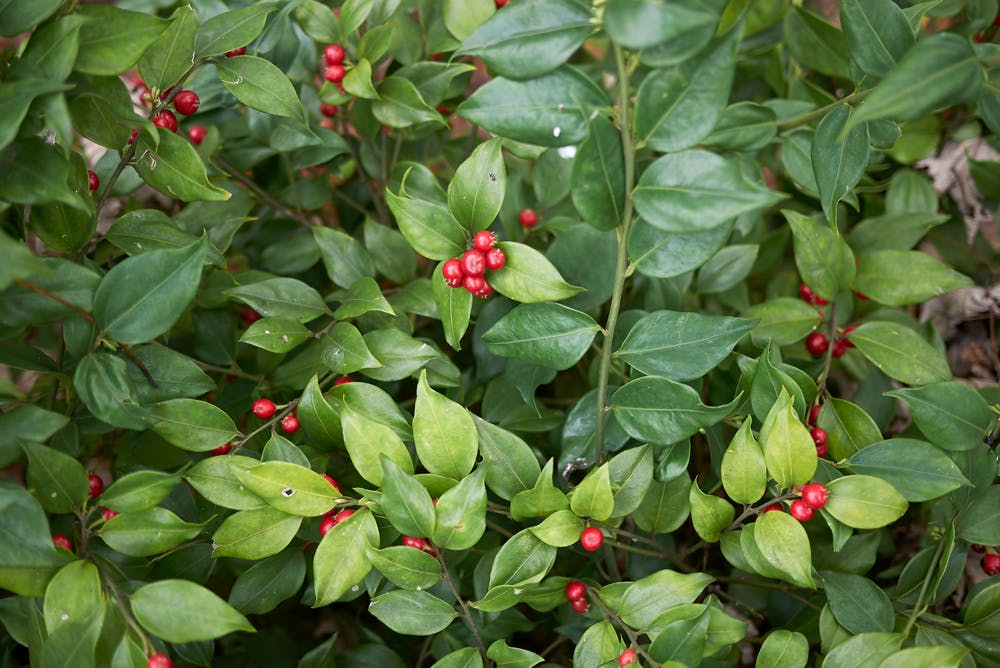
<point>633,637</point>
<point>816,114</point>
<point>262,195</point>
<point>470,621</point>
<point>621,262</point>
<point>920,608</point>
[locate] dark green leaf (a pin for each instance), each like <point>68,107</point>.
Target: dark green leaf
<point>429,227</point>
<point>782,321</point>
<point>406,502</point>
<point>345,258</point>
<point>461,513</point>
<point>57,480</point>
<point>662,254</point>
<point>400,105</point>
<point>646,599</point>
<point>859,604</point>
<point>454,307</point>
<point>783,649</point>
<point>170,56</point>
<point>279,335</point>
<point>640,25</point>
<point>406,567</point>
<point>215,479</point>
<point>952,415</point>
<point>260,85</point>
<point>112,40</point>
<point>980,522</point>
<point>838,159</point>
<point>193,425</point>
<point>174,168</point>
<point>106,389</point>
<point>824,260</point>
<point>660,410</point>
<point>547,334</point>
<point>511,466</point>
<point>901,353</point>
<point>815,43</point>
<point>367,440</point>
<point>140,490</point>
<point>848,428</point>
<point>710,514</point>
<point>878,34</point>
<point>682,642</point>
<point>282,297</point>
<point>785,545</point>
<point>260,588</point>
<point>917,469</point>
<point>744,126</point>
<point>476,192</point>
<point>522,560</point>
<point>232,30</point>
<point>598,177</point>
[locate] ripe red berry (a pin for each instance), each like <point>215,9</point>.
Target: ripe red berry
<point>342,515</point>
<point>410,541</point>
<point>817,343</point>
<point>991,564</point>
<point>249,315</point>
<point>806,294</point>
<point>96,485</point>
<point>484,240</point>
<point>145,95</point>
<point>133,136</point>
<point>474,284</point>
<point>484,291</point>
<point>221,450</point>
<point>187,102</point>
<point>576,590</point>
<point>773,507</point>
<point>290,423</point>
<point>839,348</point>
<point>197,134</point>
<point>528,217</point>
<point>159,660</point>
<point>263,408</point>
<point>976,547</point>
<point>166,120</point>
<point>627,657</point>
<point>801,510</point>
<point>329,110</point>
<point>815,494</point>
<point>334,73</point>
<point>343,380</point>
<point>862,296</point>
<point>333,54</point>
<point>333,482</point>
<point>591,539</point>
<point>236,52</point>
<point>580,605</point>
<point>847,333</point>
<point>107,514</point>
<point>327,524</point>
<point>93,181</point>
<point>500,3</point>
<point>63,541</point>
<point>814,414</point>
<point>453,272</point>
<point>818,436</point>
<point>495,259</point>
<point>473,263</point>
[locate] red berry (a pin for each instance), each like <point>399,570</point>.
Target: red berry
<point>453,272</point>
<point>807,295</point>
<point>343,380</point>
<point>221,450</point>
<point>976,547</point>
<point>576,590</point>
<point>774,506</point>
<point>580,605</point>
<point>159,660</point>
<point>410,541</point>
<point>815,494</point>
<point>334,73</point>
<point>187,102</point>
<point>500,3</point>
<point>839,347</point>
<point>329,110</point>
<point>249,316</point>
<point>495,259</point>
<point>474,284</point>
<point>327,123</point>
<point>145,95</point>
<point>996,20</point>
<point>327,524</point>
<point>991,564</point>
<point>342,515</point>
<point>165,93</point>
<point>862,296</point>
<point>107,514</point>
<point>93,181</point>
<point>528,217</point>
<point>63,541</point>
<point>818,436</point>
<point>591,539</point>
<point>236,52</point>
<point>627,657</point>
<point>96,485</point>
<point>290,423</point>
<point>333,482</point>
<point>133,136</point>
<point>166,120</point>
<point>814,414</point>
<point>263,408</point>
<point>333,54</point>
<point>484,240</point>
<point>473,263</point>
<point>801,510</point>
<point>821,450</point>
<point>817,343</point>
<point>484,291</point>
<point>197,134</point>
<point>847,333</point>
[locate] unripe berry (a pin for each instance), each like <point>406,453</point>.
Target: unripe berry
<point>107,514</point>
<point>187,102</point>
<point>290,423</point>
<point>63,541</point>
<point>591,539</point>
<point>159,660</point>
<point>96,485</point>
<point>474,284</point>
<point>264,408</point>
<point>991,564</point>
<point>236,52</point>
<point>329,110</point>
<point>576,590</point>
<point>166,120</point>
<point>197,134</point>
<point>801,511</point>
<point>495,259</point>
<point>817,343</point>
<point>473,263</point>
<point>528,217</point>
<point>93,181</point>
<point>327,524</point>
<point>453,272</point>
<point>410,541</point>
<point>815,494</point>
<point>484,240</point>
<point>627,657</point>
<point>333,54</point>
<point>221,450</point>
<point>580,605</point>
<point>334,73</point>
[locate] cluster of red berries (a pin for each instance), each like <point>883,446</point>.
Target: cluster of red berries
<point>469,270</point>
<point>333,56</point>
<point>591,539</point>
<point>264,408</point>
<point>576,592</point>
<point>814,497</point>
<point>990,561</point>
<point>818,433</point>
<point>817,343</point>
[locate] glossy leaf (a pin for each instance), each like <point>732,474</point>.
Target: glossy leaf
<point>461,513</point>
<point>260,85</point>
<point>522,560</point>
<point>406,567</point>
<point>166,60</point>
<point>864,502</point>
<point>231,30</point>
<point>139,490</point>
<point>406,502</point>
<point>785,545</point>
<point>744,474</point>
<point>660,410</point>
<point>191,424</point>
<point>863,650</point>
<point>789,450</point>
<point>917,469</point>
<point>254,534</point>
<point>173,167</point>
<point>783,649</point>
<point>58,481</point>
<point>951,415</point>
<point>824,261</point>
<point>782,321</point>
<point>980,522</point>
<point>710,515</point>
<point>443,432</point>
<point>290,488</point>
<point>148,532</point>
<point>877,32</point>
<point>429,227</point>
<point>510,465</point>
<point>262,587</point>
<point>639,25</point>
<point>477,189</point>
<point>815,43</point>
<point>113,39</point>
<point>367,440</point>
<point>528,277</point>
<point>597,645</point>
<point>900,277</point>
<point>859,604</point>
<point>417,613</point>
<point>900,353</point>
<point>838,159</point>
<point>281,297</point>
<point>182,611</point>
<point>848,428</point>
<point>341,560</point>
<point>550,335</point>
<point>647,598</point>
<point>454,306</point>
